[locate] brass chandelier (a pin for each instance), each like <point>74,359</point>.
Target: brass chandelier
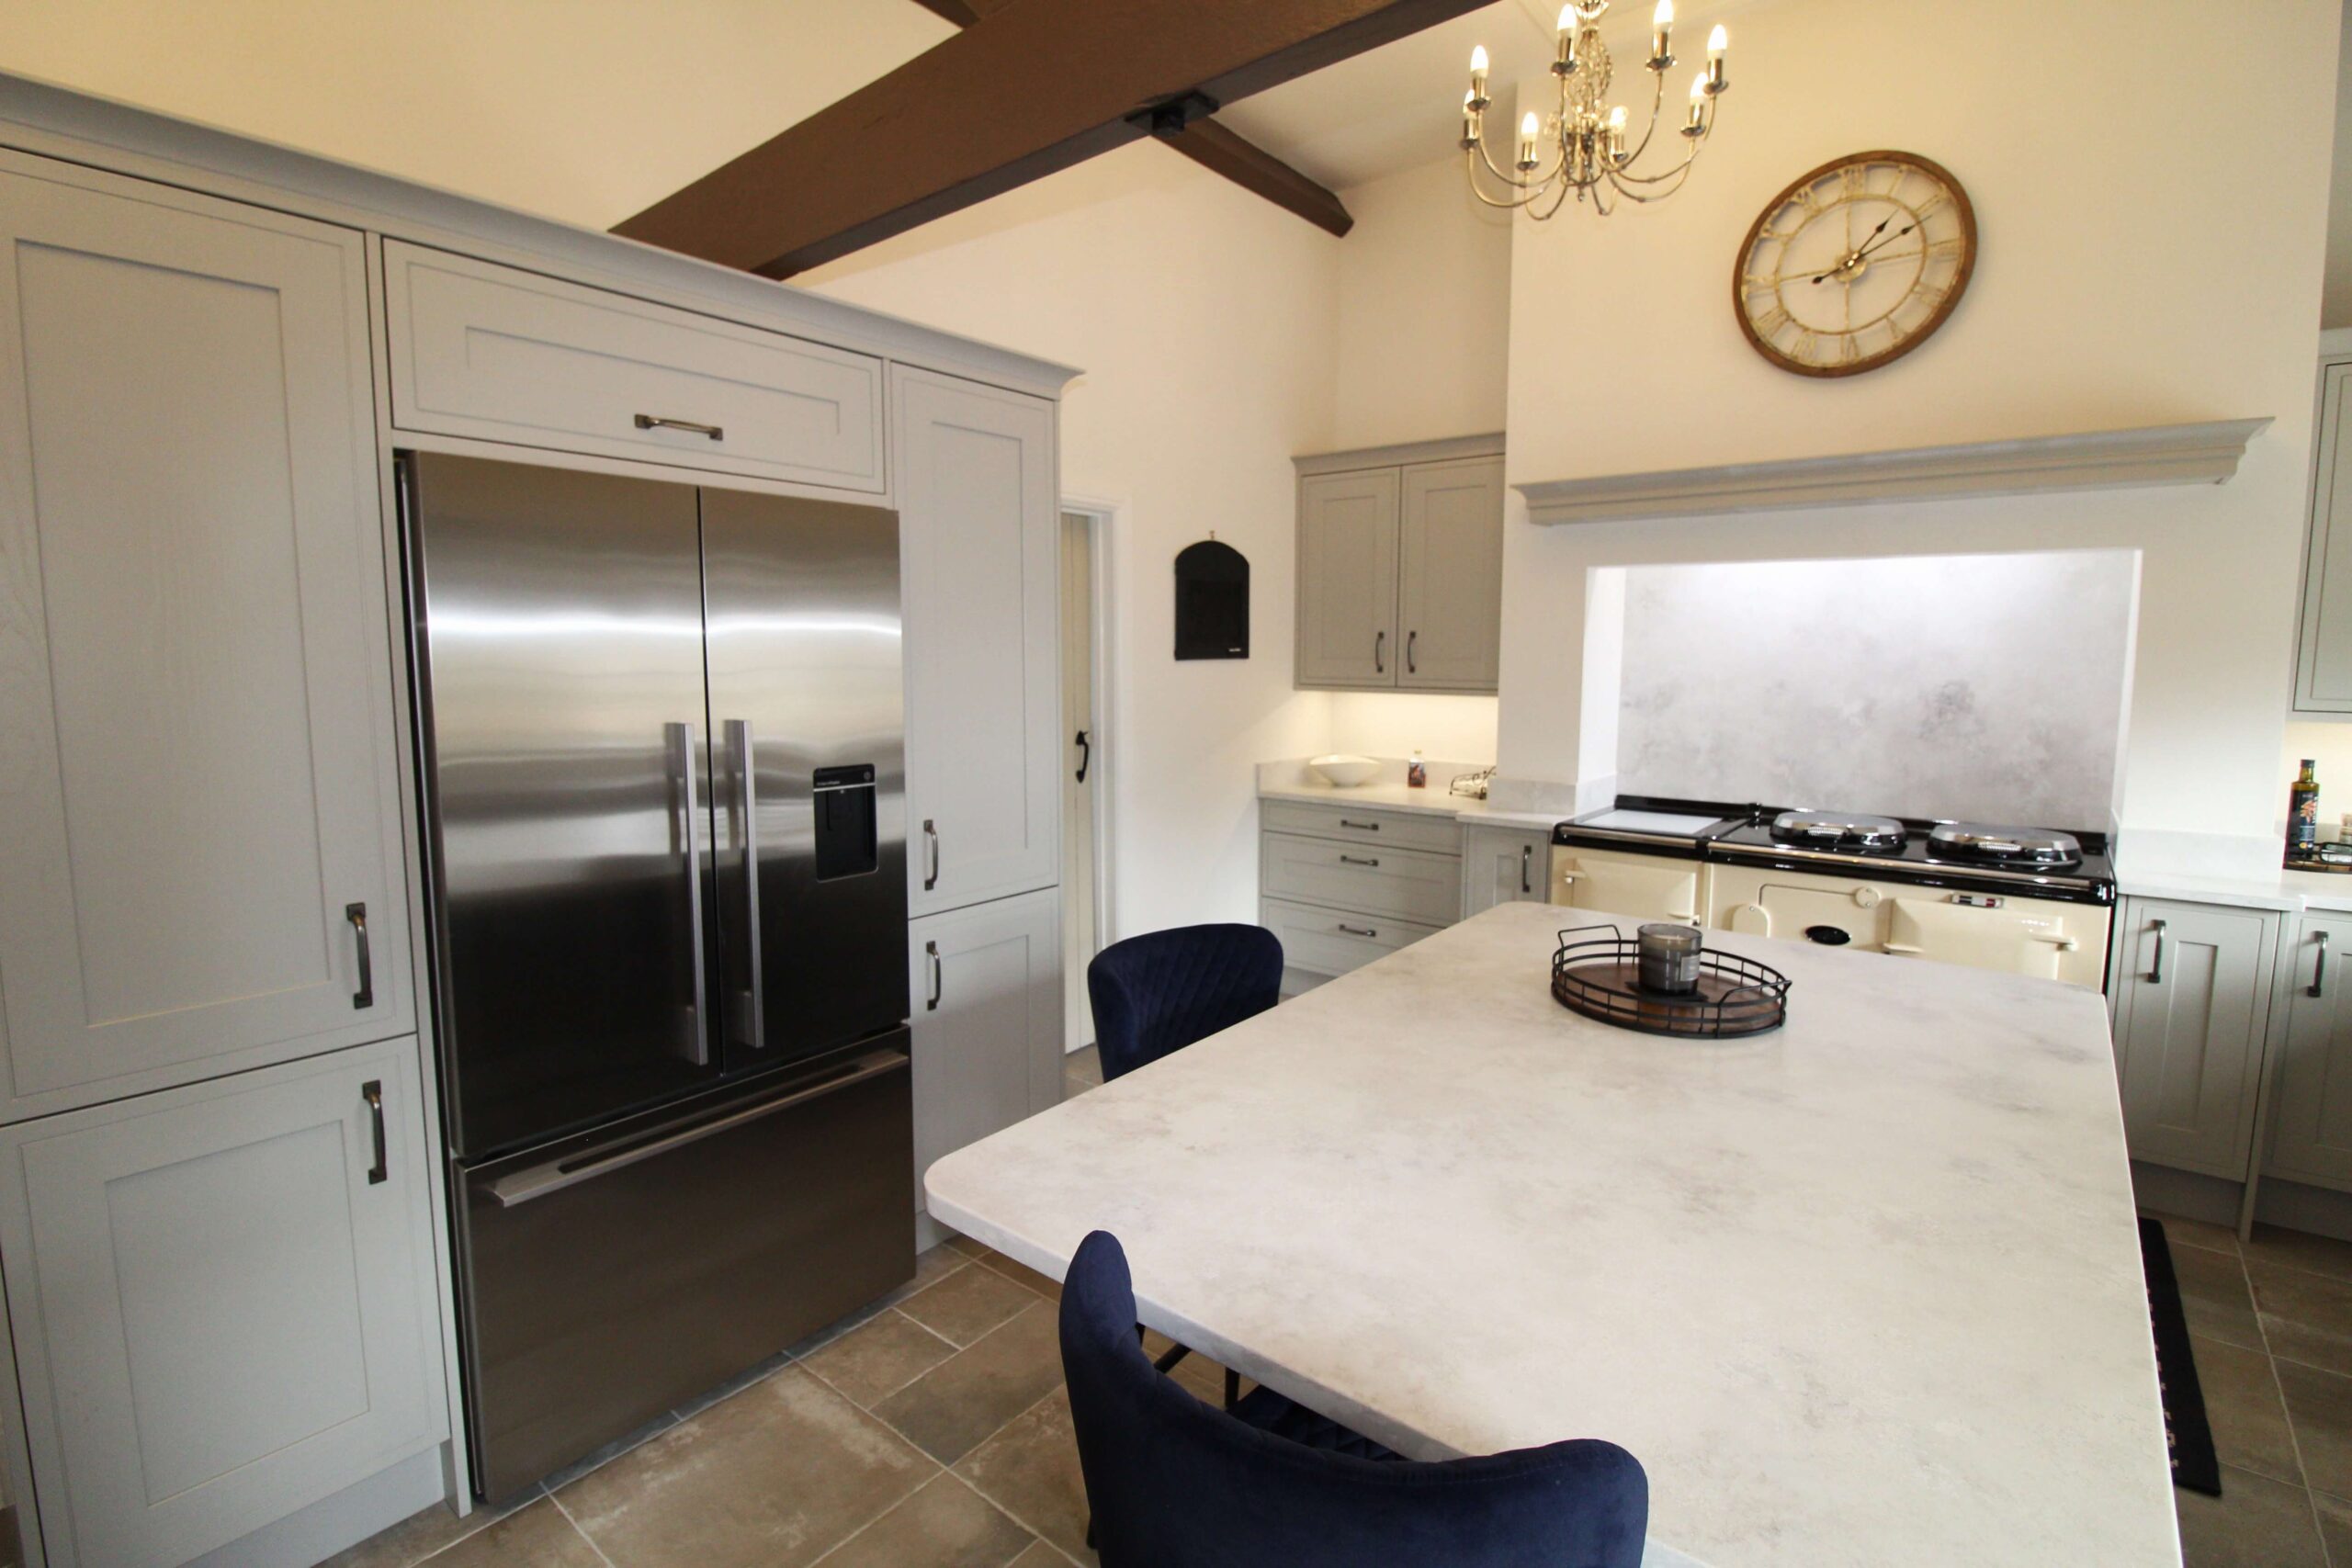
<point>1583,146</point>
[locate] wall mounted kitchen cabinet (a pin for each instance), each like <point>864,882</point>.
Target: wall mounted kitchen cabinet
<point>222,1302</point>
<point>1504,865</point>
<point>2310,1107</point>
<point>2190,989</point>
<point>1400,568</point>
<point>2324,647</point>
<point>203,867</point>
<point>987,983</point>
<point>979,546</point>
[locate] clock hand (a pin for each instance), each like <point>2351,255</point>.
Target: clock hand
<point>1860,251</point>
<point>1869,251</point>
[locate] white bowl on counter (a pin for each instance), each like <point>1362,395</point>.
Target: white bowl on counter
<point>1344,771</point>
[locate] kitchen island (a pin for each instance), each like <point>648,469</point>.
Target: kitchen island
<point>1863,1291</point>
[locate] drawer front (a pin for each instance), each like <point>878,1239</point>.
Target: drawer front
<point>1375,879</point>
<point>1399,830</point>
<point>502,355</point>
<point>1322,942</point>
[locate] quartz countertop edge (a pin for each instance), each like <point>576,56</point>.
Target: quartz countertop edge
<point>1434,801</point>
<point>2286,892</point>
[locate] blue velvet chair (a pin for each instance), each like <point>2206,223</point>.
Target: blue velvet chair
<point>1160,992</point>
<point>1177,1483</point>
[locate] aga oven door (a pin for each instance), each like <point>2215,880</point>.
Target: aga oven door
<point>2024,936</point>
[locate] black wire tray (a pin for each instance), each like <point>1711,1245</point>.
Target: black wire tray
<point>1600,978</point>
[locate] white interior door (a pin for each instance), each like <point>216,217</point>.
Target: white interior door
<point>1081,777</point>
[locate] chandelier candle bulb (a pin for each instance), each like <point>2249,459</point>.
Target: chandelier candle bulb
<point>1717,41</point>
<point>1698,126</point>
<point>1528,129</point>
<point>1662,36</point>
<point>1478,76</point>
<point>1617,132</point>
<point>1567,58</point>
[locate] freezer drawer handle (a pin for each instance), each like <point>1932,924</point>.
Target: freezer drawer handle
<point>365,996</point>
<point>2156,968</point>
<point>658,422</point>
<point>1359,860</point>
<point>373,1092</point>
<point>738,741</point>
<point>938,976</point>
<point>523,1186</point>
<point>2319,967</point>
<point>682,740</point>
<point>930,842</point>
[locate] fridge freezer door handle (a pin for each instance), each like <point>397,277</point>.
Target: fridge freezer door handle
<point>539,1181</point>
<point>682,742</point>
<point>739,742</point>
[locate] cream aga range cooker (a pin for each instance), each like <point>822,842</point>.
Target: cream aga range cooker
<point>2032,900</point>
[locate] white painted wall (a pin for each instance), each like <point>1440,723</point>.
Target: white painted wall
<point>1203,318</point>
<point>2115,288</point>
<point>2335,304</point>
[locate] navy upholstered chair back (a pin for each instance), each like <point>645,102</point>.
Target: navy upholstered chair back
<point>1176,1484</point>
<point>1159,993</point>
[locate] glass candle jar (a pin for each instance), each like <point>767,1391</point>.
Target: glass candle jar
<point>1667,959</point>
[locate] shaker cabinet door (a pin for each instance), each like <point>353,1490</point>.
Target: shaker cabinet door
<point>2195,1000</point>
<point>1504,865</point>
<point>2323,649</point>
<point>2310,1117</point>
<point>979,539</point>
<point>202,869</point>
<point>222,1301</point>
<point>988,1020</point>
<point>1450,576</point>
<point>1347,580</point>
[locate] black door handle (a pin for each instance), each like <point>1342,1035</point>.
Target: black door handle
<point>372,1091</point>
<point>1085,754</point>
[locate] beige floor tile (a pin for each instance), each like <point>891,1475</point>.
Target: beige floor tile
<point>2242,1404</point>
<point>2335,1527</point>
<point>880,1358</point>
<point>945,1524</point>
<point>537,1536</point>
<point>734,1385</point>
<point>2254,1523</point>
<point>422,1534</point>
<point>950,1408</point>
<point>965,1246</point>
<point>1021,1274</point>
<point>776,1477</point>
<point>967,1303</point>
<point>2306,1317</point>
<point>1030,1469</point>
<point>599,1458</point>
<point>2215,1296</point>
<point>1041,1556</point>
<point>2319,1407</point>
<point>2199,1232</point>
<point>846,1324</point>
<point>2299,1249</point>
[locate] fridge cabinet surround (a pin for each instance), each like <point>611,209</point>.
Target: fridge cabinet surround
<point>166,165</point>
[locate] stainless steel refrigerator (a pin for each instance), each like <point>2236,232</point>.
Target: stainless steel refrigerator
<point>659,730</point>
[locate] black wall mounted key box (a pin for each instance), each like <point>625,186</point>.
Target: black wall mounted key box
<point>1212,601</point>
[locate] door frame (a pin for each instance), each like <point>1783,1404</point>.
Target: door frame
<point>1107,519</point>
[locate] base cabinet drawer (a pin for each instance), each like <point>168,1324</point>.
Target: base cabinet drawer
<point>1408,885</point>
<point>502,354</point>
<point>223,1302</point>
<point>1360,825</point>
<point>1328,942</point>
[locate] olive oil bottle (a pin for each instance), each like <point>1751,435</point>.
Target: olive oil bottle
<point>2302,811</point>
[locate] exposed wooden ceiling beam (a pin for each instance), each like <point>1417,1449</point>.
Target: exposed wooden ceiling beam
<point>1031,88</point>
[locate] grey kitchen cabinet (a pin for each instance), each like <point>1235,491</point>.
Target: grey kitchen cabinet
<point>504,355</point>
<point>1400,568</point>
<point>203,870</point>
<point>987,986</point>
<point>1347,579</point>
<point>2323,646</point>
<point>1450,576</point>
<point>222,1302</point>
<point>2191,1008</point>
<point>1504,865</point>
<point>979,548</point>
<point>2311,1107</point>
<point>1342,885</point>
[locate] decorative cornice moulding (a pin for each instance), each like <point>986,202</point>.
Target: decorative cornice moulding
<point>2206,453</point>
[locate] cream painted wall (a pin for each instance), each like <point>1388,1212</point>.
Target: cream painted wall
<point>2115,288</point>
<point>1205,322</point>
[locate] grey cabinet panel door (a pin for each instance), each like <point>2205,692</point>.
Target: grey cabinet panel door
<point>1450,576</point>
<point>1347,579</point>
<point>988,1020</point>
<point>979,536</point>
<point>2311,1115</point>
<point>2323,662</point>
<point>203,868</point>
<point>1504,865</point>
<point>2190,1031</point>
<point>221,1315</point>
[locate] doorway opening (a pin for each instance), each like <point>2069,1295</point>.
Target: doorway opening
<point>1088,756</point>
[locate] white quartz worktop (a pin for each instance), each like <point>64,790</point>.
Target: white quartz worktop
<point>1435,800</point>
<point>1865,1291</point>
<point>2289,892</point>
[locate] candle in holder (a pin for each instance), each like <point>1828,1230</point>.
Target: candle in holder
<point>1667,959</point>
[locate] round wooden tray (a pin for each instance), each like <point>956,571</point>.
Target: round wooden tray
<point>1599,977</point>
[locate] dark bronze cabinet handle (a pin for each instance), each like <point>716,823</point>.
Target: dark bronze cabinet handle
<point>1379,642</point>
<point>2319,967</point>
<point>1526,863</point>
<point>365,996</point>
<point>1410,639</point>
<point>1359,930</point>
<point>1361,827</point>
<point>1356,860</point>
<point>373,1092</point>
<point>938,979</point>
<point>1085,754</point>
<point>692,427</point>
<point>2156,968</point>
<point>931,842</point>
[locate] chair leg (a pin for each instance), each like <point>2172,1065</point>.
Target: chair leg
<point>1168,1357</point>
<point>1232,1388</point>
<point>1089,1532</point>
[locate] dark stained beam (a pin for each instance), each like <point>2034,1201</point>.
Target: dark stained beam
<point>1251,167</point>
<point>960,13</point>
<point>1027,90</point>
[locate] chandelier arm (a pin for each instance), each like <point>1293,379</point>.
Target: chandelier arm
<point>1534,195</point>
<point>1657,102</point>
<point>1646,196</point>
<point>1676,172</point>
<point>1558,201</point>
<point>1529,181</point>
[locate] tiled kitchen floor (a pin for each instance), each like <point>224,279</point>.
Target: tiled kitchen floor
<point>930,1430</point>
<point>2271,1324</point>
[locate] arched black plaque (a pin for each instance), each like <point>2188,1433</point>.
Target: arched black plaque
<point>1212,601</point>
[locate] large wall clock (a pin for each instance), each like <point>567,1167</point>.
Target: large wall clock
<point>1855,264</point>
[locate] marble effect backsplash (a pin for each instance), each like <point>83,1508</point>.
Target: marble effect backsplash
<point>1982,687</point>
